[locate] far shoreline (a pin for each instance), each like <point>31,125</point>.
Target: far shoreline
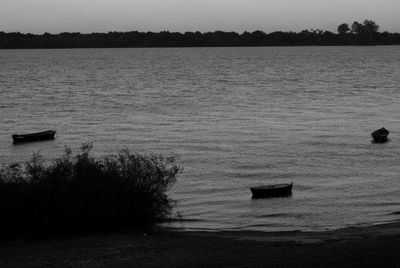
<point>360,34</point>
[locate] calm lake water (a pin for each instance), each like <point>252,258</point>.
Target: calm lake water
<point>233,117</point>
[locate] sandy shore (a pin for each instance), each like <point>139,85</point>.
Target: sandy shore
<point>373,246</point>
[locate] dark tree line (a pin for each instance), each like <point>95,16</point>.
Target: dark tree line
<point>365,33</point>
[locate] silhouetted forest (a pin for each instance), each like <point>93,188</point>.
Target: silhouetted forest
<point>365,33</point>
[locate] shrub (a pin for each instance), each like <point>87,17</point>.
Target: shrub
<point>81,193</point>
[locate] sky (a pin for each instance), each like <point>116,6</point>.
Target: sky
<point>86,16</point>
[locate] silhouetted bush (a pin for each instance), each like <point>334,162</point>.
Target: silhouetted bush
<point>81,193</point>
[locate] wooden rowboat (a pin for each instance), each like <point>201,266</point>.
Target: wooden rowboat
<point>274,190</point>
<point>38,136</point>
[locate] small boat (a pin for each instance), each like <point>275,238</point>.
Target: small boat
<point>274,190</point>
<point>38,136</point>
<point>380,135</point>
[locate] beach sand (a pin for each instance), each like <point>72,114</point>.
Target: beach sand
<point>373,246</point>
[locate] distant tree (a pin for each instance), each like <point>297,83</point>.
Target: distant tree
<point>258,37</point>
<point>306,32</point>
<point>357,28</point>
<point>306,37</point>
<point>370,26</point>
<point>343,28</point>
<point>327,35</point>
<point>317,31</point>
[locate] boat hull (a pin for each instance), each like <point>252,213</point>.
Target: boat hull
<point>272,191</point>
<point>32,137</point>
<point>380,138</point>
<point>380,135</point>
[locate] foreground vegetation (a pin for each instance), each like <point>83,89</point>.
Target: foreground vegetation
<point>81,193</point>
<point>365,33</point>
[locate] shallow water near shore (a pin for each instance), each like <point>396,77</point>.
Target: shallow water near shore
<point>233,117</point>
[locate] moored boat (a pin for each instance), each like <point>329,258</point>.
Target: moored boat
<point>380,135</point>
<point>38,136</point>
<point>273,190</point>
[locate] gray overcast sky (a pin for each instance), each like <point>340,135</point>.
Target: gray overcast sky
<point>54,16</point>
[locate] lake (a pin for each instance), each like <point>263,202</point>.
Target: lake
<point>233,118</point>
